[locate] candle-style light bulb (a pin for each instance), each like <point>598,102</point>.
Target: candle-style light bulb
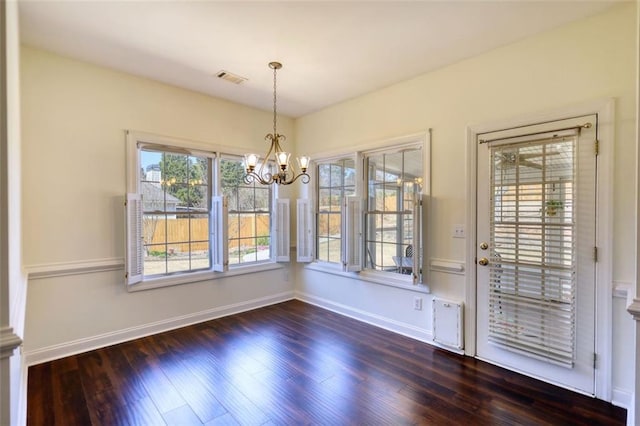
<point>303,162</point>
<point>250,161</point>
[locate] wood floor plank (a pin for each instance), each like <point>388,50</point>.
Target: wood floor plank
<point>224,420</point>
<point>158,387</point>
<point>226,391</point>
<point>67,392</point>
<point>202,402</point>
<point>96,374</point>
<point>182,415</point>
<point>40,395</point>
<point>289,364</point>
<point>268,389</point>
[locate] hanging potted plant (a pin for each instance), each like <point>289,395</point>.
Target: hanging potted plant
<point>552,207</point>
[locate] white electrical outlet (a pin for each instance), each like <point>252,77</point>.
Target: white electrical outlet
<point>458,231</point>
<point>417,303</point>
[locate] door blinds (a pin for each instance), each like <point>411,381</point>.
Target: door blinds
<point>532,289</point>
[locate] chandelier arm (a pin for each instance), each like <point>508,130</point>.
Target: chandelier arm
<point>305,179</point>
<point>254,177</point>
<point>276,143</point>
<point>268,154</point>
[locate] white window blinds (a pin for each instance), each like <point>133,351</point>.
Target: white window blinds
<point>532,290</point>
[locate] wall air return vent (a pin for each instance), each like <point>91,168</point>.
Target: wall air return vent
<point>230,77</point>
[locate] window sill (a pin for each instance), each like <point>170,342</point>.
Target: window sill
<point>370,276</point>
<point>200,276</point>
<point>332,268</point>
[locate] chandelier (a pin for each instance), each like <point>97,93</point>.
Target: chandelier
<point>274,166</point>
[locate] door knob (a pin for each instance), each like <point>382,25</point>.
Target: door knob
<point>483,261</point>
<point>484,246</point>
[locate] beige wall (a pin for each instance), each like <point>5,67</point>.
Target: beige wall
<point>74,117</point>
<point>593,59</point>
<point>585,61</point>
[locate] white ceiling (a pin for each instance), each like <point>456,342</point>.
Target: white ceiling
<point>331,51</point>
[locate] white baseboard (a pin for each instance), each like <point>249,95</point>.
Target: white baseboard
<point>369,318</point>
<point>625,399</point>
<point>631,412</point>
<point>622,398</point>
<point>65,349</point>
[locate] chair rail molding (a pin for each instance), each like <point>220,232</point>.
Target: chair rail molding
<point>448,266</point>
<point>634,309</point>
<point>51,270</point>
<point>623,290</point>
<point>9,341</point>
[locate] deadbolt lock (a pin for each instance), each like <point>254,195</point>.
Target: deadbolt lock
<point>484,261</point>
<point>484,246</point>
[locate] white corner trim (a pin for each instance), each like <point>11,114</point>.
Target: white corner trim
<point>50,270</point>
<point>9,341</point>
<point>390,324</point>
<point>21,415</point>
<point>18,307</point>
<point>49,353</point>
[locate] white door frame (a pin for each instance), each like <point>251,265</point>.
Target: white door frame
<point>604,228</point>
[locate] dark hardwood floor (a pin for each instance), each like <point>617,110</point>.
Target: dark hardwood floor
<point>293,363</point>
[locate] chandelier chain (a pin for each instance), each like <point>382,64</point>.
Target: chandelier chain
<point>275,135</point>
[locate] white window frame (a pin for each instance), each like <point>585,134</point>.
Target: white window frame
<point>218,268</point>
<point>276,234</point>
<point>379,277</point>
<point>342,264</point>
<point>413,279</point>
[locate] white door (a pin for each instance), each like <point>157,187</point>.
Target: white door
<point>535,251</point>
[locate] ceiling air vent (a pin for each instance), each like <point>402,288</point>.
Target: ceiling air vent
<point>230,77</point>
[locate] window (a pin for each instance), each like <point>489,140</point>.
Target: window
<point>392,213</point>
<point>249,207</point>
<point>368,212</point>
<point>533,269</point>
<point>176,211</point>
<point>336,180</point>
<point>190,214</point>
